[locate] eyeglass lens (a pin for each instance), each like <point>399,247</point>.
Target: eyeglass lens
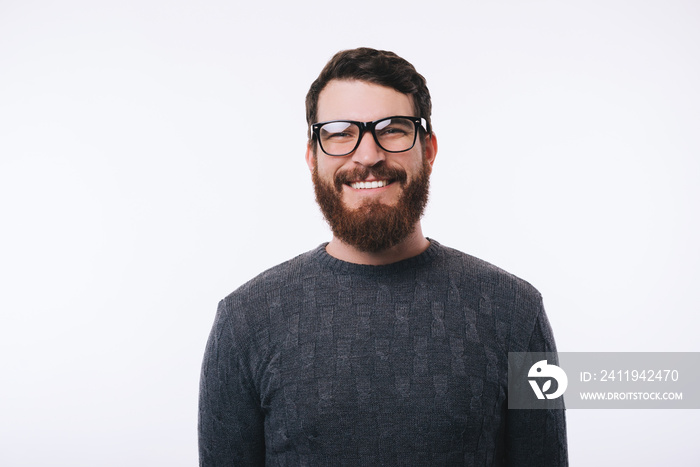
<point>392,134</point>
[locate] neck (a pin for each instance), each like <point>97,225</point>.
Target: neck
<point>411,246</point>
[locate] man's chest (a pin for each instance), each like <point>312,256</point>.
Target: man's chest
<point>343,379</point>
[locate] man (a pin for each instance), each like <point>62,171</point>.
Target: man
<point>380,347</point>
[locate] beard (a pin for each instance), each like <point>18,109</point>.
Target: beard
<point>373,226</point>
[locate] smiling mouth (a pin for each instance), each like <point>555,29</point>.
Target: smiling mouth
<point>369,185</point>
<point>369,178</point>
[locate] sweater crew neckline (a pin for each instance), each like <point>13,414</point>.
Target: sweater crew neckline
<point>338,265</point>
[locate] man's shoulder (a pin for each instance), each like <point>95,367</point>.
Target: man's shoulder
<point>277,279</point>
<point>485,273</point>
<point>514,304</point>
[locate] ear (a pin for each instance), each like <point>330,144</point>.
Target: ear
<point>431,147</point>
<point>310,156</point>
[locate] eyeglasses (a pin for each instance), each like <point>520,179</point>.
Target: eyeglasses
<point>392,134</point>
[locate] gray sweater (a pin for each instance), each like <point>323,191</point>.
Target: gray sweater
<point>323,362</point>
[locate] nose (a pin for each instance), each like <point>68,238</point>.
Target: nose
<point>368,153</point>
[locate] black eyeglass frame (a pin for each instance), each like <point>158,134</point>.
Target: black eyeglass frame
<point>419,122</point>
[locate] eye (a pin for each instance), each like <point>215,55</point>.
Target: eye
<point>394,128</point>
<point>338,130</point>
<point>339,134</point>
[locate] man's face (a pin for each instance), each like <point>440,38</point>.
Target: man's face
<point>371,219</point>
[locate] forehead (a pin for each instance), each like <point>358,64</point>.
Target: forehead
<point>360,100</point>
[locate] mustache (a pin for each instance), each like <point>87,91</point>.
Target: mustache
<point>383,172</point>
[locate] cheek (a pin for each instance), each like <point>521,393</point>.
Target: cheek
<point>416,166</point>
<point>328,168</point>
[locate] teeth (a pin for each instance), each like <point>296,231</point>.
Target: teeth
<point>366,185</point>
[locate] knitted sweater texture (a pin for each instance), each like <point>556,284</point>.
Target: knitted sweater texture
<point>323,362</point>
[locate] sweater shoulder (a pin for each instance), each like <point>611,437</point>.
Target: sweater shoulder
<point>514,306</point>
<point>283,277</point>
<point>487,275</point>
<point>251,314</point>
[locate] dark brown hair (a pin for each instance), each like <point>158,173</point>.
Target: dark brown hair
<point>373,66</point>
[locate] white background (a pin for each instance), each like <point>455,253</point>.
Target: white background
<point>151,161</point>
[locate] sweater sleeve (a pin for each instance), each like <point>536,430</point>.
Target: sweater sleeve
<point>230,418</point>
<point>537,437</point>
